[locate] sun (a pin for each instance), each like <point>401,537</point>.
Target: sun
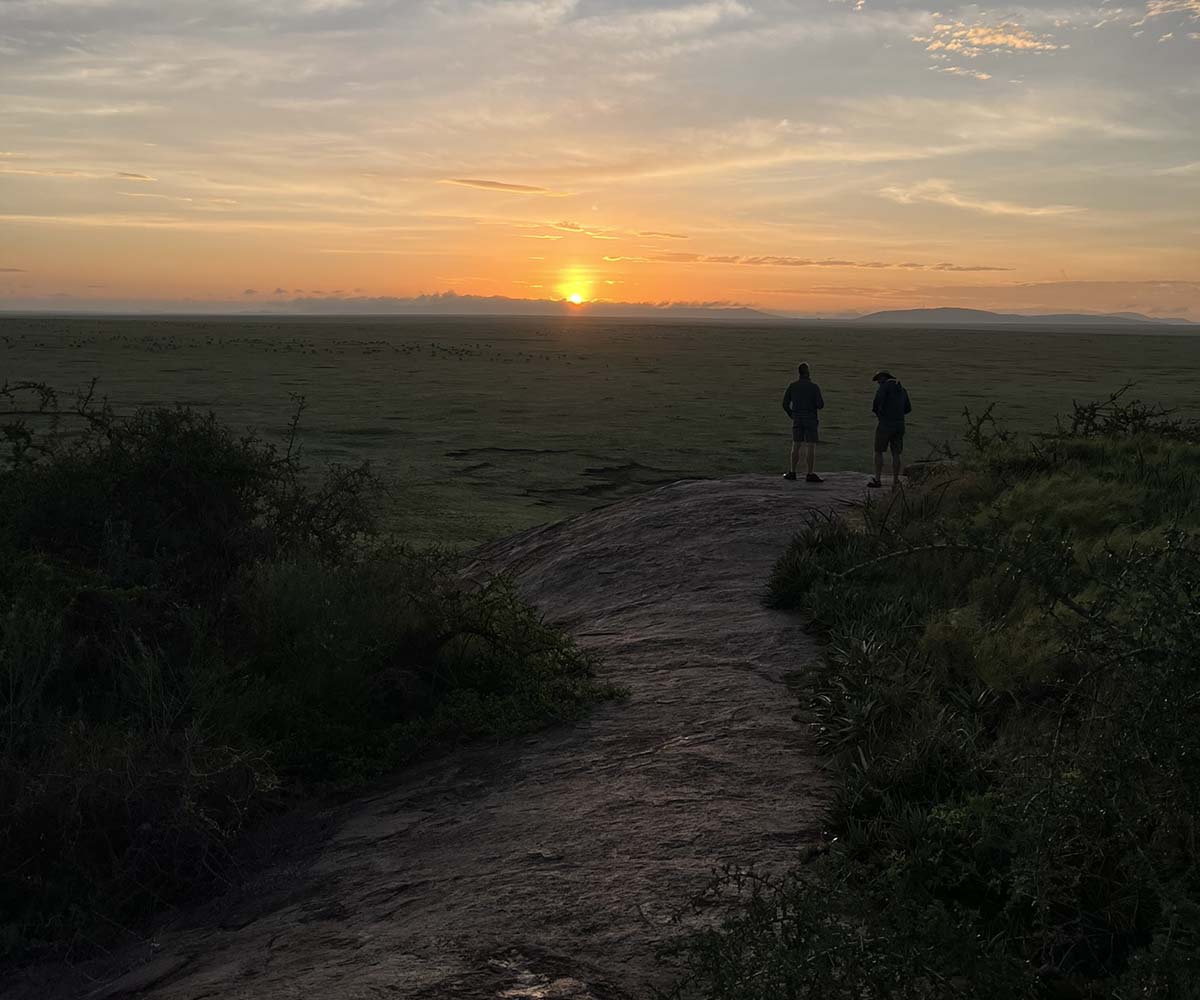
<point>575,299</point>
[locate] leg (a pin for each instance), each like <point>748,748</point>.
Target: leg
<point>878,466</point>
<point>795,456</point>
<point>810,457</point>
<point>897,451</point>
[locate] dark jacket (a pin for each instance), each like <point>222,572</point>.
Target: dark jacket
<point>803,399</point>
<point>891,403</point>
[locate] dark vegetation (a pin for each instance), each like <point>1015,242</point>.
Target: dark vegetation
<point>195,630</point>
<point>1010,694</point>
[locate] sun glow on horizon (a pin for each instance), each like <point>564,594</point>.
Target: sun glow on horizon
<point>608,153</point>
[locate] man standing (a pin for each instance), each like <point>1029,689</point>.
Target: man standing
<point>801,402</point>
<point>890,407</point>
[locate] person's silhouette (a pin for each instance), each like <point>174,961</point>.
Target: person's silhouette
<point>890,408</point>
<point>801,402</point>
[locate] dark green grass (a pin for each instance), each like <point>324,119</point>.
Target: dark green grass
<point>1010,695</point>
<point>480,426</point>
<point>194,631</point>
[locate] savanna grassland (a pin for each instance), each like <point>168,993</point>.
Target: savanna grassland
<point>478,427</point>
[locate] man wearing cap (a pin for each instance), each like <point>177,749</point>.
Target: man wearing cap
<point>801,402</point>
<point>890,407</point>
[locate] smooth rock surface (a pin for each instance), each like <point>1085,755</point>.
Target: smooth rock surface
<point>550,868</point>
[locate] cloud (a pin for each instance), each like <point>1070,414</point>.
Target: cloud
<point>1183,170</point>
<point>1161,8</point>
<point>960,71</point>
<point>154,196</point>
<point>778,261</point>
<point>664,236</point>
<point>44,172</point>
<point>666,23</point>
<point>73,172</point>
<point>451,303</point>
<point>12,270</point>
<point>250,291</point>
<point>975,40</point>
<point>485,185</point>
<point>940,193</point>
<point>963,267</point>
<point>574,227</point>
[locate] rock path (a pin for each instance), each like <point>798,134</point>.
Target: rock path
<point>550,868</point>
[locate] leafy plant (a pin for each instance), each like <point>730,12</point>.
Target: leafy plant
<point>1010,693</point>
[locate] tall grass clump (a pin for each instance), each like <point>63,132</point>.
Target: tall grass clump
<point>1010,696</point>
<point>194,628</point>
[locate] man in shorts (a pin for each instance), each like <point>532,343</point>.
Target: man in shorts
<point>801,402</point>
<point>890,408</point>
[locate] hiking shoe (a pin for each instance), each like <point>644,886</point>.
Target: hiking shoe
<point>875,484</point>
<point>789,475</point>
<point>812,477</point>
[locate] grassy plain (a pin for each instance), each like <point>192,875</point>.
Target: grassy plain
<point>484,426</point>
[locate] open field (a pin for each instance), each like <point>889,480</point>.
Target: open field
<point>483,426</point>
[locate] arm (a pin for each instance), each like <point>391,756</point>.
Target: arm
<point>820,398</point>
<point>787,401</point>
<point>907,404</point>
<point>878,400</point>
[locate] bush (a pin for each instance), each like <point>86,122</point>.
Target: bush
<point>1010,694</point>
<point>194,628</point>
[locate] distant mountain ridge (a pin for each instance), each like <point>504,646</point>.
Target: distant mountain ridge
<point>981,317</point>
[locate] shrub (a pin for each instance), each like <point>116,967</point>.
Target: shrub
<point>1009,694</point>
<point>193,628</point>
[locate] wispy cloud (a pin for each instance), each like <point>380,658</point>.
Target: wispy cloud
<point>940,193</point>
<point>1182,170</point>
<point>667,23</point>
<point>961,71</point>
<point>975,40</point>
<point>663,236</point>
<point>486,185</point>
<point>75,172</point>
<point>784,261</point>
<point>578,230</point>
<point>12,270</point>
<point>1160,8</point>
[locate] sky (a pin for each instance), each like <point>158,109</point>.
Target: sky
<point>808,157</point>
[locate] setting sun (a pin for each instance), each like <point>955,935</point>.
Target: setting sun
<point>575,299</point>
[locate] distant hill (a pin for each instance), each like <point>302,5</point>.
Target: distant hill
<point>981,317</point>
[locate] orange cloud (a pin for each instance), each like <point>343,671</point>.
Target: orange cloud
<point>940,193</point>
<point>486,185</point>
<point>975,40</point>
<point>777,261</point>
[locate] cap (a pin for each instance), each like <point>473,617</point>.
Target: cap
<point>882,375</point>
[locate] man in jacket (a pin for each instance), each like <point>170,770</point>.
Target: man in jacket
<point>801,402</point>
<point>890,408</point>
